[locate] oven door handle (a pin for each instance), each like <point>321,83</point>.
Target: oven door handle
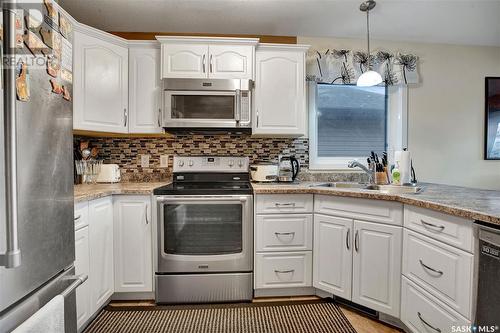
<point>202,199</point>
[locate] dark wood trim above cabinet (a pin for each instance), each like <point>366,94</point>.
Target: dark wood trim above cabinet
<point>151,36</point>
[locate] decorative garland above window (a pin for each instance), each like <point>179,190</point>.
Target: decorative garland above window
<point>345,66</point>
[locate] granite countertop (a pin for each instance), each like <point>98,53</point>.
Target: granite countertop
<point>86,192</point>
<point>474,204</point>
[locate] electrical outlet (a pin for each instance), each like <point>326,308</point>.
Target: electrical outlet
<point>145,161</point>
<point>163,161</point>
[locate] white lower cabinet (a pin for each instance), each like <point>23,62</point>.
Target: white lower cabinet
<point>101,251</point>
<point>421,312</point>
<point>133,244</point>
<point>359,260</point>
<point>82,267</point>
<point>332,264</point>
<point>283,269</point>
<point>376,273</point>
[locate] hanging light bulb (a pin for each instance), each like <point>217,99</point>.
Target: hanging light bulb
<point>368,78</point>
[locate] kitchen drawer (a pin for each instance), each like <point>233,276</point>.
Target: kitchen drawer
<point>360,209</point>
<point>287,232</point>
<point>452,230</point>
<point>441,269</point>
<point>283,203</point>
<point>81,215</point>
<point>421,312</point>
<point>283,270</point>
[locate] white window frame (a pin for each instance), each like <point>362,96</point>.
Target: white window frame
<point>397,130</point>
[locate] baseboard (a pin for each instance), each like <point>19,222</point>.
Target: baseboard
<point>129,296</point>
<point>281,292</point>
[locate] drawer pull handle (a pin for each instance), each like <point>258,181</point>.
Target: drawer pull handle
<point>289,204</point>
<point>283,272</point>
<point>430,268</point>
<point>77,217</point>
<point>285,233</point>
<point>347,239</point>
<point>427,324</point>
<point>431,225</point>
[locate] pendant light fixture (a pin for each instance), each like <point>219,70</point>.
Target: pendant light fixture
<point>368,78</point>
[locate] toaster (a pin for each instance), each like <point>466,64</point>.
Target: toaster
<point>110,173</point>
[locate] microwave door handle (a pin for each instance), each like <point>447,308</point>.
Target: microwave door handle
<point>238,106</point>
<point>12,256</point>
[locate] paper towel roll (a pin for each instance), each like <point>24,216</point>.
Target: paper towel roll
<point>405,167</point>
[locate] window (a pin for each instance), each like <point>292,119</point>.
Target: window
<point>348,122</point>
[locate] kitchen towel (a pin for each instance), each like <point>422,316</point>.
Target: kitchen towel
<point>50,318</point>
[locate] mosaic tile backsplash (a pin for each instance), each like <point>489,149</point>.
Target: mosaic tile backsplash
<point>126,152</point>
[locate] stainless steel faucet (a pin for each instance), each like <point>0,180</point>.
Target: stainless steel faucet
<point>369,171</point>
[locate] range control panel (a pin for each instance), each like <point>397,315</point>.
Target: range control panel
<point>210,164</point>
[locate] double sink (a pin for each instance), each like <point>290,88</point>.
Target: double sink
<point>389,189</point>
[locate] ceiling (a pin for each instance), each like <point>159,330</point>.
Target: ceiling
<point>469,22</point>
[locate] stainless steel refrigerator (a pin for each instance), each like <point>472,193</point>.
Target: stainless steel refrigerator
<point>36,167</point>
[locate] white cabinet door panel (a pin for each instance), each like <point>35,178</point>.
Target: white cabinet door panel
<point>100,85</point>
<point>82,267</point>
<point>185,61</point>
<point>376,279</point>
<point>280,103</point>
<point>144,90</point>
<point>231,61</point>
<point>133,244</point>
<point>101,251</point>
<point>332,259</point>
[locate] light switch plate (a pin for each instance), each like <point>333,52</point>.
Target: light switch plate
<point>163,161</point>
<point>145,161</point>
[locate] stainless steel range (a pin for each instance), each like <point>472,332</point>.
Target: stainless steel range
<point>204,232</point>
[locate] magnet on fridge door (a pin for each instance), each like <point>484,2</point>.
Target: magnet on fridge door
<point>22,83</point>
<point>53,65</point>
<point>65,26</point>
<point>66,94</point>
<point>34,43</point>
<point>56,87</point>
<point>52,13</point>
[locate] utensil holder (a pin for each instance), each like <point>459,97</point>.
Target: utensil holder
<point>88,170</point>
<point>381,178</point>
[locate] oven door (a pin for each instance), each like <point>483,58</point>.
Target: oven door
<point>205,234</point>
<point>200,108</point>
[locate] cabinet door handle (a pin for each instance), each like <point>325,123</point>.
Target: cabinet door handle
<point>257,125</point>
<point>347,239</point>
<point>77,217</point>
<point>285,233</point>
<point>146,214</point>
<point>159,117</point>
<point>427,224</point>
<point>125,117</point>
<point>430,268</point>
<point>288,204</point>
<point>203,64</point>
<point>211,71</point>
<point>427,324</point>
<point>284,272</point>
<point>356,240</point>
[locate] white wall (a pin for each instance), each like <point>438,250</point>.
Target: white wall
<point>446,111</point>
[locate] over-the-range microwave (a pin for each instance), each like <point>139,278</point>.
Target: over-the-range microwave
<point>207,104</point>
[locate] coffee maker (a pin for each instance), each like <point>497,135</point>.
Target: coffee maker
<point>288,168</point>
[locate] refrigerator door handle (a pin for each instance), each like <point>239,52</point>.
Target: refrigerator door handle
<point>78,280</point>
<point>12,256</point>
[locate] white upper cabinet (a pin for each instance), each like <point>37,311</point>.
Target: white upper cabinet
<point>144,88</point>
<point>184,61</point>
<point>206,57</point>
<point>100,82</point>
<point>280,96</point>
<point>133,244</point>
<point>231,61</point>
